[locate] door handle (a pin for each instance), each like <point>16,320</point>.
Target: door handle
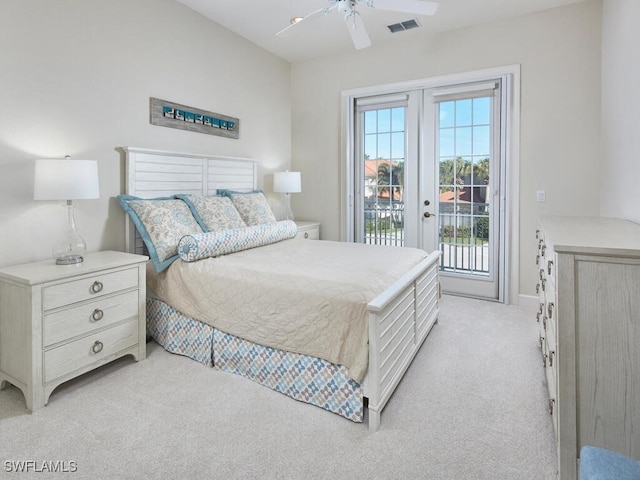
<point>427,214</point>
<point>427,203</point>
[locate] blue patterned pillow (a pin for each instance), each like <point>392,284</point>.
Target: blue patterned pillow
<point>213,213</point>
<point>161,222</point>
<point>214,244</point>
<point>252,206</point>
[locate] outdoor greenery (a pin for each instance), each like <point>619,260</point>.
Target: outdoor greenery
<point>463,234</point>
<point>391,179</point>
<point>390,184</point>
<point>382,225</point>
<point>453,169</point>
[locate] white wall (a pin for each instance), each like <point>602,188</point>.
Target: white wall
<point>620,185</point>
<point>76,77</point>
<point>559,54</point>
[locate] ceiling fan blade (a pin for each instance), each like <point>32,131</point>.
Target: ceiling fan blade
<point>312,14</point>
<point>358,33</point>
<point>417,7</point>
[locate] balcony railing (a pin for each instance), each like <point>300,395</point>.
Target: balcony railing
<point>463,237</point>
<point>464,241</point>
<point>384,223</point>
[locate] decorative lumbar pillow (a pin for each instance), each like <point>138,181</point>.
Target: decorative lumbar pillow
<point>161,222</point>
<point>213,213</point>
<point>222,242</point>
<point>252,206</point>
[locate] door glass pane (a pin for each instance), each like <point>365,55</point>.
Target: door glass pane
<point>481,111</point>
<point>464,135</point>
<point>383,167</point>
<point>447,142</point>
<point>447,115</point>
<point>463,140</point>
<point>481,143</point>
<point>463,112</point>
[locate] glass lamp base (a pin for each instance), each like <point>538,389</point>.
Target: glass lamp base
<point>71,247</point>
<point>287,207</point>
<point>69,259</point>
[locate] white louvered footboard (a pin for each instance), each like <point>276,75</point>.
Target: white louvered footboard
<point>399,321</point>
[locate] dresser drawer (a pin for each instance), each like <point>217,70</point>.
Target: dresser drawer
<point>83,318</point>
<point>89,287</point>
<point>80,353</point>
<point>552,402</point>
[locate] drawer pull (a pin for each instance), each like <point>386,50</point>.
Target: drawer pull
<point>551,358</point>
<point>549,265</point>
<point>544,284</point>
<point>97,315</point>
<point>96,287</point>
<point>543,249</point>
<point>544,361</point>
<point>550,309</point>
<point>306,234</point>
<point>97,347</point>
<point>551,403</point>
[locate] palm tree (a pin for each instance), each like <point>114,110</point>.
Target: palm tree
<point>391,175</point>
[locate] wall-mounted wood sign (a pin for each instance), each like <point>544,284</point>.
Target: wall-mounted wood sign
<point>174,115</point>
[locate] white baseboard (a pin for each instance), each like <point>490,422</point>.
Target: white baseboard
<point>528,301</point>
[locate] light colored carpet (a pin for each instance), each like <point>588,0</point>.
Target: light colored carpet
<point>472,406</point>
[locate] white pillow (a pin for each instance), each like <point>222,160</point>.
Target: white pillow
<point>222,242</point>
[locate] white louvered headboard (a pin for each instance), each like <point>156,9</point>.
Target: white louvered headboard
<point>154,173</point>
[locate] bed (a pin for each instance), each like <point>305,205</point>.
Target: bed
<point>388,320</point>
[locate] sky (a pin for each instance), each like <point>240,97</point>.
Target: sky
<point>464,130</point>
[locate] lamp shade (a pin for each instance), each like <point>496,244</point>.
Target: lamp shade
<point>287,182</point>
<point>67,179</point>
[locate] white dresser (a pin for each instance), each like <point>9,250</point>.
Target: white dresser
<point>59,321</point>
<point>589,327</point>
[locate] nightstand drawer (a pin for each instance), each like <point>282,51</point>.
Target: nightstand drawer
<point>308,231</point>
<point>84,318</point>
<point>80,353</point>
<point>88,287</point>
<point>312,234</point>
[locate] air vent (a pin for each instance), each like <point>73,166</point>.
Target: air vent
<point>402,26</point>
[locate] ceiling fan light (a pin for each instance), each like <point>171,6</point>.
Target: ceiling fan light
<point>295,20</point>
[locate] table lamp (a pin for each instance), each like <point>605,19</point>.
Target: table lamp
<point>67,179</point>
<point>287,183</point>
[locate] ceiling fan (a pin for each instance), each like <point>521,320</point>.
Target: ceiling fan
<point>354,23</point>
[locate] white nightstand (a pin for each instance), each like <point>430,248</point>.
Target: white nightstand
<point>60,321</point>
<point>308,230</point>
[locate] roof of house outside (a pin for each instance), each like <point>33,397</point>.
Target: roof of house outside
<point>371,166</point>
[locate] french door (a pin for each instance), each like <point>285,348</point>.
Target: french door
<point>384,171</point>
<point>427,174</point>
<point>463,125</point>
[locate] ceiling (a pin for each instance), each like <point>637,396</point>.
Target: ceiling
<point>260,20</point>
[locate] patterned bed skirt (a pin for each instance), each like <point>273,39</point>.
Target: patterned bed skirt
<point>307,379</point>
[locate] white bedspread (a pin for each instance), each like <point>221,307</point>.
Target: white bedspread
<point>307,297</point>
